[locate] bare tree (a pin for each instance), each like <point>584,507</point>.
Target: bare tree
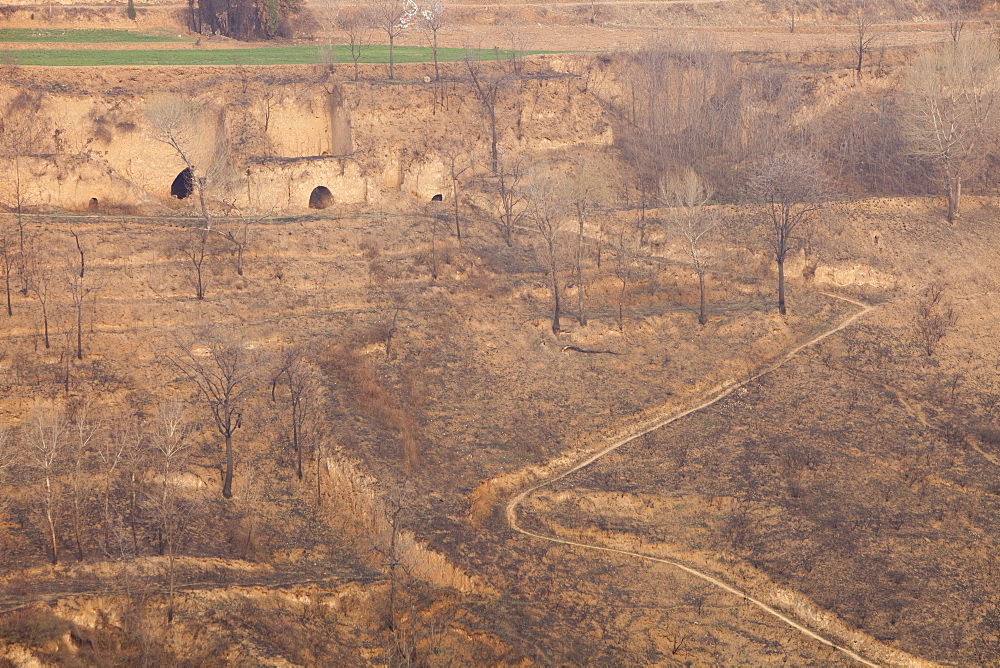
<point>225,372</point>
<point>169,436</point>
<point>392,17</point>
<point>864,35</point>
<point>240,233</point>
<point>23,132</point>
<point>625,249</point>
<point>694,223</point>
<point>583,191</point>
<point>44,435</point>
<point>432,20</point>
<point>356,22</point>
<point>687,103</point>
<point>511,205</point>
<point>296,381</point>
<point>197,248</point>
<point>790,188</point>
<point>386,542</point>
<point>110,455</point>
<point>458,160</point>
<point>358,27</point>
<point>8,453</point>
<point>79,288</point>
<point>488,84</point>
<point>433,218</point>
<point>253,491</point>
<point>955,13</point>
<point>9,456</point>
<point>39,283</point>
<point>547,212</point>
<point>935,317</point>
<point>317,432</point>
<point>950,100</point>
<point>135,455</point>
<point>297,377</point>
<point>8,260</point>
<point>179,123</point>
<point>85,431</point>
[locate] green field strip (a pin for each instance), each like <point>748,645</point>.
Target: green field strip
<point>82,36</point>
<point>277,55</point>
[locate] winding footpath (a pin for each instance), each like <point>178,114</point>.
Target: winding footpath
<point>666,419</point>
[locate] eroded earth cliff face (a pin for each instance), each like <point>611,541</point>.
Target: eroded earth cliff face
<point>265,141</point>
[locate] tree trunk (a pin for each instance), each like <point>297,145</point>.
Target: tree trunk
<point>199,288</point>
<point>434,259</point>
<point>76,530</point>
<point>494,156</point>
<point>621,305</point>
<point>458,227</point>
<point>392,59</point>
<point>781,286</point>
<point>53,542</point>
<point>437,72</point>
<point>106,521</point>
<point>702,319</point>
<point>295,440</point>
<point>79,330</point>
<point>555,302</point>
<point>201,201</point>
<point>579,273</point>
<point>22,257</point>
<point>319,477</point>
<point>45,324</point>
<point>172,584</point>
<point>954,197</point>
<point>133,505</point>
<point>227,484</point>
<point>10,311</point>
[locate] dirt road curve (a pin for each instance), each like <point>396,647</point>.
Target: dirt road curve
<point>871,647</point>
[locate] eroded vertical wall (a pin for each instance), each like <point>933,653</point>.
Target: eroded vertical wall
<point>266,143</point>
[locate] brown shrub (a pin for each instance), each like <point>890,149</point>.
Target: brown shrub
<point>358,375</point>
<point>33,626</point>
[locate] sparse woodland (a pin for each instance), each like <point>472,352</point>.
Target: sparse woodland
<point>230,434</point>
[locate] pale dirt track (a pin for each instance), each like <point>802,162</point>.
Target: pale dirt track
<point>664,420</point>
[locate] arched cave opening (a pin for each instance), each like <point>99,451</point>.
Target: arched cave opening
<point>320,198</point>
<point>437,198</point>
<point>183,185</point>
<point>94,204</point>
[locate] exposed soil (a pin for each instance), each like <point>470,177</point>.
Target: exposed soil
<point>852,488</point>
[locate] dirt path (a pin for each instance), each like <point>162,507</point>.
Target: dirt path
<point>867,645</point>
<point>914,408</point>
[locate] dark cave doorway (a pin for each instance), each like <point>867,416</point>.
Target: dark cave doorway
<point>183,185</point>
<point>320,198</point>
